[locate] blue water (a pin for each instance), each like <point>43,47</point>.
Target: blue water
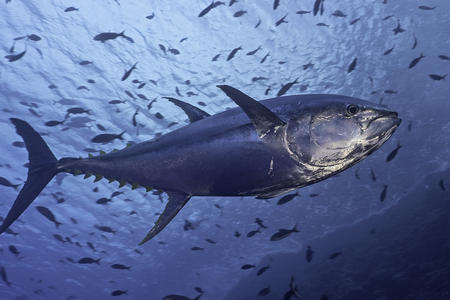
<point>392,249</point>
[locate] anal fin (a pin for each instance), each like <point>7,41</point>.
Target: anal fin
<point>176,202</point>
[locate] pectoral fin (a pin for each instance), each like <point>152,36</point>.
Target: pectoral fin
<point>264,120</point>
<point>193,113</point>
<point>176,202</point>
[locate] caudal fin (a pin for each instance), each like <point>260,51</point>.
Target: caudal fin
<point>42,168</point>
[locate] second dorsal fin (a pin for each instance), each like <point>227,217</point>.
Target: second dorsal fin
<point>193,113</point>
<point>264,120</point>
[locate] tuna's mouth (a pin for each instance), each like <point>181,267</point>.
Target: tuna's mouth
<point>383,125</point>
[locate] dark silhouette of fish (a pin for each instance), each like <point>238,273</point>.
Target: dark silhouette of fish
<point>287,198</point>
<point>233,53</point>
<point>247,267</point>
<point>15,57</point>
<point>283,233</point>
<point>352,65</point>
<point>260,223</point>
<point>215,57</point>
<point>213,4</point>
<point>120,267</point>
<point>339,14</point>
<point>352,22</point>
<point>232,2</point>
<point>106,36</point>
<point>7,183</point>
<point>372,175</point>
<point>317,7</point>
<point>414,43</point>
<point>254,51</point>
<point>334,255</point>
<point>281,21</point>
<point>174,51</point>
<point>262,270</point>
<point>257,24</point>
<point>398,29</point>
<point>70,8</point>
<point>424,7</point>
<point>89,260</point>
<point>388,51</point>
<point>276,3</point>
<point>383,193</point>
<point>239,13</point>
<point>48,214</point>
<point>105,229</point>
<point>128,72</point>
<point>34,37</point>
<point>441,184</point>
<point>253,232</point>
<point>119,293</point>
<point>107,137</point>
<point>150,17</point>
<point>437,77</point>
<point>303,12</point>
<point>394,152</point>
<point>4,276</point>
<point>264,291</point>
<point>309,254</point>
<point>264,58</point>
<point>415,61</point>
<point>284,88</point>
<point>444,57</point>
<point>255,130</point>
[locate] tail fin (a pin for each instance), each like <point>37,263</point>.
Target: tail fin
<point>41,170</point>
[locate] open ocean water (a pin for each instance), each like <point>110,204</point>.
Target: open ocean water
<point>379,230</point>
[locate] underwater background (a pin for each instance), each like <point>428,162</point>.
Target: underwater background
<point>379,230</point>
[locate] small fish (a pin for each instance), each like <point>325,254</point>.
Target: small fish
<point>85,62</point>
<point>264,58</point>
<point>13,249</point>
<point>383,193</point>
<point>322,24</point>
<point>106,138</point>
<point>14,57</point>
<point>254,51</point>
<point>215,57</point>
<point>308,65</point>
<point>70,8</point>
<point>48,214</point>
<point>409,125</point>
<point>387,17</point>
<point>259,222</point>
<point>414,43</point>
<point>339,14</point>
<point>262,270</point>
<point>34,37</point>
<point>424,7</point>
<point>334,255</point>
<point>357,174</point>
<point>4,276</point>
<point>264,292</point>
<point>58,237</point>
<point>388,51</point>
<point>128,73</point>
<point>105,229</point>
<point>437,77</point>
<point>398,29</point>
<point>7,183</point>
<point>276,3</point>
<point>76,111</point>
<point>415,61</point>
<point>247,266</point>
<point>441,184</point>
<point>54,123</point>
<point>444,57</point>
<point>354,21</point>
<point>303,12</point>
<point>313,195</point>
<point>352,66</point>
<point>141,85</point>
<point>266,92</point>
<point>283,233</point>
<point>317,5</point>
<point>281,21</point>
<point>257,24</point>
<point>89,260</point>
<point>162,47</point>
<point>105,36</point>
<point>394,152</point>
<point>233,53</point>
<point>183,39</point>
<point>120,267</point>
<point>195,248</point>
<point>287,198</point>
<point>253,232</point>
<point>199,289</point>
<point>119,292</point>
<point>173,51</point>
<point>239,13</point>
<point>134,118</point>
<point>309,254</point>
<point>390,92</point>
<point>237,234</point>
<point>103,200</point>
<point>116,102</point>
<point>150,16</point>
<point>372,175</point>
<point>211,241</point>
<point>206,10</point>
<point>284,88</point>
<point>254,79</point>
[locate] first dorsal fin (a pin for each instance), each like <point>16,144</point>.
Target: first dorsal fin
<point>193,113</point>
<point>176,202</point>
<point>264,120</point>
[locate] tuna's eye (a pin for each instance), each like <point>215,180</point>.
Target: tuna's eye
<point>352,109</point>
